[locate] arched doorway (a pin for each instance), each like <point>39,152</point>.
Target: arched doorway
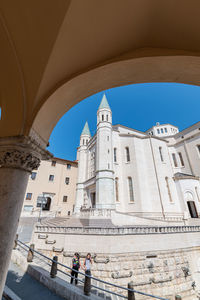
<point>47,205</point>
<point>191,204</point>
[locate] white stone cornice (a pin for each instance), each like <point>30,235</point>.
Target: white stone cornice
<point>21,152</point>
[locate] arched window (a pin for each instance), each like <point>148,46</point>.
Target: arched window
<point>83,142</point>
<point>181,159</point>
<point>102,117</point>
<point>127,154</point>
<point>174,160</point>
<point>106,117</point>
<point>130,187</point>
<point>197,193</point>
<point>116,189</point>
<point>115,154</point>
<point>168,189</point>
<point>161,154</point>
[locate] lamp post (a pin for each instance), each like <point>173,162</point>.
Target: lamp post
<point>43,201</point>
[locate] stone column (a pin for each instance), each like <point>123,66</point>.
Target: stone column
<point>18,157</point>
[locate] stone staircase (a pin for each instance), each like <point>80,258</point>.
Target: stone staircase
<point>76,222</point>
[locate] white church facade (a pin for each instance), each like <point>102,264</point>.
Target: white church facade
<point>152,174</point>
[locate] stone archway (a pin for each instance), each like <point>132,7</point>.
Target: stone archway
<point>129,42</point>
<point>179,69</point>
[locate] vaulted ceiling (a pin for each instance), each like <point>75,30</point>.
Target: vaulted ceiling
<point>55,53</point>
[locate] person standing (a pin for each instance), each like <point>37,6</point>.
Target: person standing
<point>75,268</point>
<point>87,268</point>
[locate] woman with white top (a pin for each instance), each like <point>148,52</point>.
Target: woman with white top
<point>87,267</point>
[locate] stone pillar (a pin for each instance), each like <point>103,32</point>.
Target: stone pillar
<point>18,157</point>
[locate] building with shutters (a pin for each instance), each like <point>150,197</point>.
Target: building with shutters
<point>51,189</point>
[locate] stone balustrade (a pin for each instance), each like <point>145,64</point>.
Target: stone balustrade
<point>95,212</point>
<point>134,230</point>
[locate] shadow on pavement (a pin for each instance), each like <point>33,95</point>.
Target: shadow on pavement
<point>27,288</point>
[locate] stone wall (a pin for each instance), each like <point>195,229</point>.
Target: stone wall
<point>161,273</point>
<point>162,261</point>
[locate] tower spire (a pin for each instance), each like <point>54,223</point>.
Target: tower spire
<point>104,102</point>
<point>86,130</point>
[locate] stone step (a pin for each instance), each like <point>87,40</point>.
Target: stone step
<point>74,222</point>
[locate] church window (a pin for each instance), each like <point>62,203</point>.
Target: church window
<point>165,129</point>
<point>174,160</point>
<point>83,142</point>
<point>116,189</point>
<point>115,154</point>
<point>106,117</point>
<point>127,154</point>
<point>130,186</point>
<point>28,196</point>
<point>69,166</point>
<point>168,189</point>
<point>33,175</point>
<point>107,138</point>
<point>51,177</point>
<point>181,159</point>
<point>86,142</point>
<point>64,198</point>
<point>53,163</point>
<point>162,130</point>
<point>196,190</point>
<point>198,147</point>
<point>161,154</point>
<point>67,180</point>
<point>102,117</point>
<point>158,131</point>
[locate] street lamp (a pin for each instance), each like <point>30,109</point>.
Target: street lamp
<point>43,201</point>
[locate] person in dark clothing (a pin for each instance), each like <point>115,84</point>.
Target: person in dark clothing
<point>75,268</point>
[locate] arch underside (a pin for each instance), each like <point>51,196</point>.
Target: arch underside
<point>176,69</point>
<point>53,56</point>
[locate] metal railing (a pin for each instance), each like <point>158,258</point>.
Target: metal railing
<point>87,278</point>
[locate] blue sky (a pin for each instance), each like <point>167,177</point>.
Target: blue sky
<point>138,106</point>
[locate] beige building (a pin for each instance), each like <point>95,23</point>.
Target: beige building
<point>51,189</point>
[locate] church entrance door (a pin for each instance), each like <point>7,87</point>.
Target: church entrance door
<point>192,209</point>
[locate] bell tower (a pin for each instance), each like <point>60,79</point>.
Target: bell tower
<point>82,166</point>
<point>104,158</point>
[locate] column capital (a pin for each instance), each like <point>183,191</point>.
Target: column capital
<point>21,152</point>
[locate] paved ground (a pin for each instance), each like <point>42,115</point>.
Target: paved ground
<point>27,288</point>
<point>25,228</point>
